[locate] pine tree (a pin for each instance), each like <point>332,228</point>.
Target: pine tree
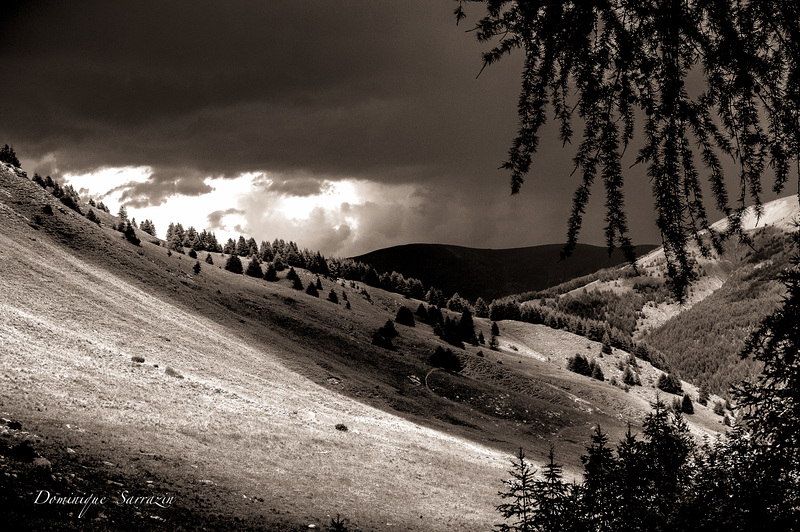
<point>8,155</point>
<point>771,403</point>
<point>271,274</point>
<point>551,497</point>
<point>520,490</point>
<point>209,259</point>
<point>686,404</point>
<point>122,214</point>
<point>481,308</point>
<point>254,268</point>
<point>622,67</point>
<point>494,345</point>
<point>130,234</point>
<point>92,217</point>
<point>332,297</point>
<point>600,485</point>
<point>669,383</point>
<point>297,284</point>
<point>495,329</point>
<point>405,317</point>
<point>196,268</point>
<point>311,290</point>
<point>234,264</point>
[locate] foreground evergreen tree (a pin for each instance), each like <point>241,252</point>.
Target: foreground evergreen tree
<point>234,264</point>
<point>333,297</point>
<point>771,404</point>
<point>519,491</point>
<point>621,67</point>
<point>196,268</point>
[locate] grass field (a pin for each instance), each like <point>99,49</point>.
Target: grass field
<point>235,408</point>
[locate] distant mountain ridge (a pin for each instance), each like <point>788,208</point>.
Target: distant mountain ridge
<point>492,273</point>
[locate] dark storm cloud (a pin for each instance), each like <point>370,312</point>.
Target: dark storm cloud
<point>300,186</point>
<point>309,91</point>
<point>355,88</point>
<point>161,185</point>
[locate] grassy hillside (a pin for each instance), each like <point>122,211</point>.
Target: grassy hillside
<point>699,339</point>
<point>491,273</point>
<point>238,406</point>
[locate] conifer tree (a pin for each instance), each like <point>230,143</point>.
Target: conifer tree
<point>405,316</point>
<point>8,155</point>
<point>209,259</point>
<point>297,284</point>
<point>481,308</point>
<point>332,297</point>
<point>621,67</point>
<point>312,290</point>
<point>520,492</point>
<point>234,264</point>
<point>254,268</point>
<point>130,234</point>
<point>686,404</point>
<point>196,268</point>
<point>271,274</point>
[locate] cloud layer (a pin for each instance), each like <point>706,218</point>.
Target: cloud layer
<point>306,92</point>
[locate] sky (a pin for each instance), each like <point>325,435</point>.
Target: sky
<point>346,126</point>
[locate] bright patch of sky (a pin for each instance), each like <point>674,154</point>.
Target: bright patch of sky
<point>327,221</point>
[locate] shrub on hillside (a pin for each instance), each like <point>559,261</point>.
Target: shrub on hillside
<point>172,373</point>
<point>384,335</point>
<point>405,316</point>
<point>192,254</point>
<point>209,260</point>
<point>445,359</point>
<point>234,264</point>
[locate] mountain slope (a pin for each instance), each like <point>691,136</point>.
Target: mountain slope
<point>491,273</point>
<point>700,338</point>
<point>235,408</point>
